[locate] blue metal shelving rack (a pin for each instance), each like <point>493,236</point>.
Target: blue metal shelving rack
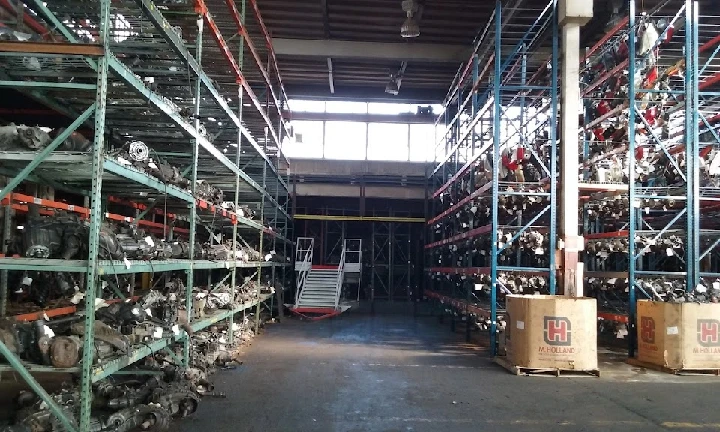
<point>522,88</point>
<point>684,58</point>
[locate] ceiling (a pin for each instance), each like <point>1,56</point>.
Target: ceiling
<point>361,71</point>
<point>356,44</point>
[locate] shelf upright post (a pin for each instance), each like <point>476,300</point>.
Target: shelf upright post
<point>497,105</point>
<point>273,269</point>
<point>692,154</point>
<point>262,237</point>
<point>92,284</point>
<point>277,182</point>
<point>469,286</point>
<point>193,188</point>
<point>238,151</point>
<point>632,342</point>
<point>552,280</point>
<point>428,207</point>
<point>7,227</point>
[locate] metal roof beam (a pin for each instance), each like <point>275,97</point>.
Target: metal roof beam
<point>414,52</point>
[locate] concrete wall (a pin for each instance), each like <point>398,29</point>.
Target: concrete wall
<point>327,167</point>
<point>354,191</point>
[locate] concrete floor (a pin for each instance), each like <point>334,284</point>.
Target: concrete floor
<point>393,372</point>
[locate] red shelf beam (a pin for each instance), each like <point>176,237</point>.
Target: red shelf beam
<point>458,304</point>
<point>607,235</point>
<point>202,9</point>
<point>17,201</point>
<point>268,42</point>
<point>461,203</point>
<point>605,77</point>
<point>462,236</point>
<point>55,312</point>
<point>625,21</point>
<point>613,317</point>
<point>246,37</point>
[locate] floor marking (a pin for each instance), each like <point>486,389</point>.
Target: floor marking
<point>516,422</point>
<point>690,425</point>
<point>418,365</point>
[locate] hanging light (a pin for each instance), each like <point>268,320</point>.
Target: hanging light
<point>410,27</point>
<point>393,86</point>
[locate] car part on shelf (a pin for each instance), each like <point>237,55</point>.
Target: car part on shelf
<point>65,351</point>
<point>208,192</point>
<point>21,137</point>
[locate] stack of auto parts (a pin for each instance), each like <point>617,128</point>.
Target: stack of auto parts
<point>222,296</point>
<point>138,155</point>
<point>124,403</point>
<point>477,212</point>
<point>65,236</point>
<point>21,137</point>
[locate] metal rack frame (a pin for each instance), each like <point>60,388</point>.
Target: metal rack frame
<point>689,40</point>
<point>475,115</point>
<point>108,81</point>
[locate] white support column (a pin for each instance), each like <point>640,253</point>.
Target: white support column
<point>571,15</point>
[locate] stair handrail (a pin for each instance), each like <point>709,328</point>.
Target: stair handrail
<point>303,255</point>
<point>340,277</point>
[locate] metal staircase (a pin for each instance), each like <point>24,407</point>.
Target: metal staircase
<point>319,287</point>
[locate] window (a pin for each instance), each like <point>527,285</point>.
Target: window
<point>422,142</point>
<point>308,140</point>
<point>344,107</point>
<point>389,108</point>
<point>345,140</point>
<point>306,105</point>
<point>387,141</point>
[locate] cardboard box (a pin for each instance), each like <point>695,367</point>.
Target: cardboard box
<point>679,335</point>
<point>552,332</point>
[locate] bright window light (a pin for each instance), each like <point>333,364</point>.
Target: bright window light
<point>308,140</point>
<point>345,140</point>
<point>306,105</point>
<point>345,107</point>
<point>388,141</point>
<point>422,142</point>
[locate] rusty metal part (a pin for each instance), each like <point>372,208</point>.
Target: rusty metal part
<point>52,48</point>
<point>65,351</point>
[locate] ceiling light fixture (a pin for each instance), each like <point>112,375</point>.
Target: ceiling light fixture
<point>393,86</point>
<point>410,27</point>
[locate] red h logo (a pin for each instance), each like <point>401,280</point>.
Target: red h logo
<point>557,331</point>
<point>708,332</point>
<point>647,330</point>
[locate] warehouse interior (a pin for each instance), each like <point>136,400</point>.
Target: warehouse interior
<point>366,215</point>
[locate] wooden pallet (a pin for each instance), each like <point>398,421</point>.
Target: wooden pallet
<point>659,368</point>
<point>557,372</point>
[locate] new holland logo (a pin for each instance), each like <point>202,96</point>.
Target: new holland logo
<point>647,330</point>
<point>557,331</point>
<point>708,331</point>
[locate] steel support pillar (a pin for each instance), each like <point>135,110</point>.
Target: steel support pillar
<point>571,268</point>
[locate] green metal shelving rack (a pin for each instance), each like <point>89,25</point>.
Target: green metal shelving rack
<point>125,71</point>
